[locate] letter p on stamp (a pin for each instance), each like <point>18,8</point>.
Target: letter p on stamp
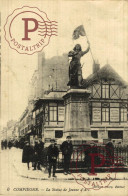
<point>28,30</point>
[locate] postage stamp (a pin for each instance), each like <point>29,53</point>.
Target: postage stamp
<point>28,30</point>
<point>97,158</point>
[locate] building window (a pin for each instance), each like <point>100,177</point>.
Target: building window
<point>22,132</point>
<point>34,114</point>
<point>58,134</point>
<point>46,113</point>
<point>61,113</point>
<point>105,91</point>
<point>115,134</point>
<point>96,112</point>
<point>53,113</point>
<point>37,111</point>
<point>94,134</point>
<point>123,115</point>
<point>105,114</point>
<point>41,109</point>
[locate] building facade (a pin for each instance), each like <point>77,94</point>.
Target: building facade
<point>15,132</point>
<point>108,105</point>
<point>108,108</point>
<point>48,116</point>
<point>45,78</point>
<point>25,125</point>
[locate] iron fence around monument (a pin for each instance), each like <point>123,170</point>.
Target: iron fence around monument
<point>121,153</point>
<point>119,158</point>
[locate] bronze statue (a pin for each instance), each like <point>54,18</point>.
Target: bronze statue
<point>75,70</point>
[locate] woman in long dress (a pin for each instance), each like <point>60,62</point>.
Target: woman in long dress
<point>28,153</point>
<point>75,70</point>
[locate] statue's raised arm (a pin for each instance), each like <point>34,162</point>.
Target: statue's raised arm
<point>87,50</point>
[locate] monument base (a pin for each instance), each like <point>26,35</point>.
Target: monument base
<point>78,141</point>
<point>77,121</point>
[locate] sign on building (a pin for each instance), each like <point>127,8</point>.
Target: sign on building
<point>61,113</point>
<point>96,114</point>
<point>114,114</point>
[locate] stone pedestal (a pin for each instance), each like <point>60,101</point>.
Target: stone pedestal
<point>77,121</point>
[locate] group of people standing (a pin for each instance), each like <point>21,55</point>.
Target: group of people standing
<point>38,155</point>
<point>53,153</point>
<point>8,144</point>
<point>34,154</point>
<point>4,144</point>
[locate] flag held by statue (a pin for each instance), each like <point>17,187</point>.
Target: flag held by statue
<point>79,31</point>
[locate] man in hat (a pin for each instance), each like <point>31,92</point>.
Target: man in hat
<point>52,153</point>
<point>67,150</point>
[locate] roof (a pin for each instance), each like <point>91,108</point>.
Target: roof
<point>107,73</point>
<point>53,95</point>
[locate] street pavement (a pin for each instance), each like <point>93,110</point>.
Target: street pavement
<point>14,174</point>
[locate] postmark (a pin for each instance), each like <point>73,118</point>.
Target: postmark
<point>28,30</point>
<point>101,166</point>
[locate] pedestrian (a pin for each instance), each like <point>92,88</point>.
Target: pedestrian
<point>27,155</point>
<point>67,150</point>
<point>40,152</point>
<point>39,146</point>
<point>109,153</point>
<point>52,154</point>
<point>10,144</point>
<point>35,157</point>
<point>2,145</point>
<point>87,158</point>
<point>16,144</point>
<point>5,144</point>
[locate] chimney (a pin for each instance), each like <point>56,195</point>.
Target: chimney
<point>96,66</point>
<point>41,60</point>
<point>41,63</point>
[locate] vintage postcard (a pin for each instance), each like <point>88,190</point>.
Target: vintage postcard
<point>64,97</point>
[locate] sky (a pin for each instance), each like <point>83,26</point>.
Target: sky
<point>106,26</point>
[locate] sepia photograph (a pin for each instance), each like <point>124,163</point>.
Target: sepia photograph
<point>64,97</point>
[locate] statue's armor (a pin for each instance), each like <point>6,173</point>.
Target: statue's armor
<point>75,70</point>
